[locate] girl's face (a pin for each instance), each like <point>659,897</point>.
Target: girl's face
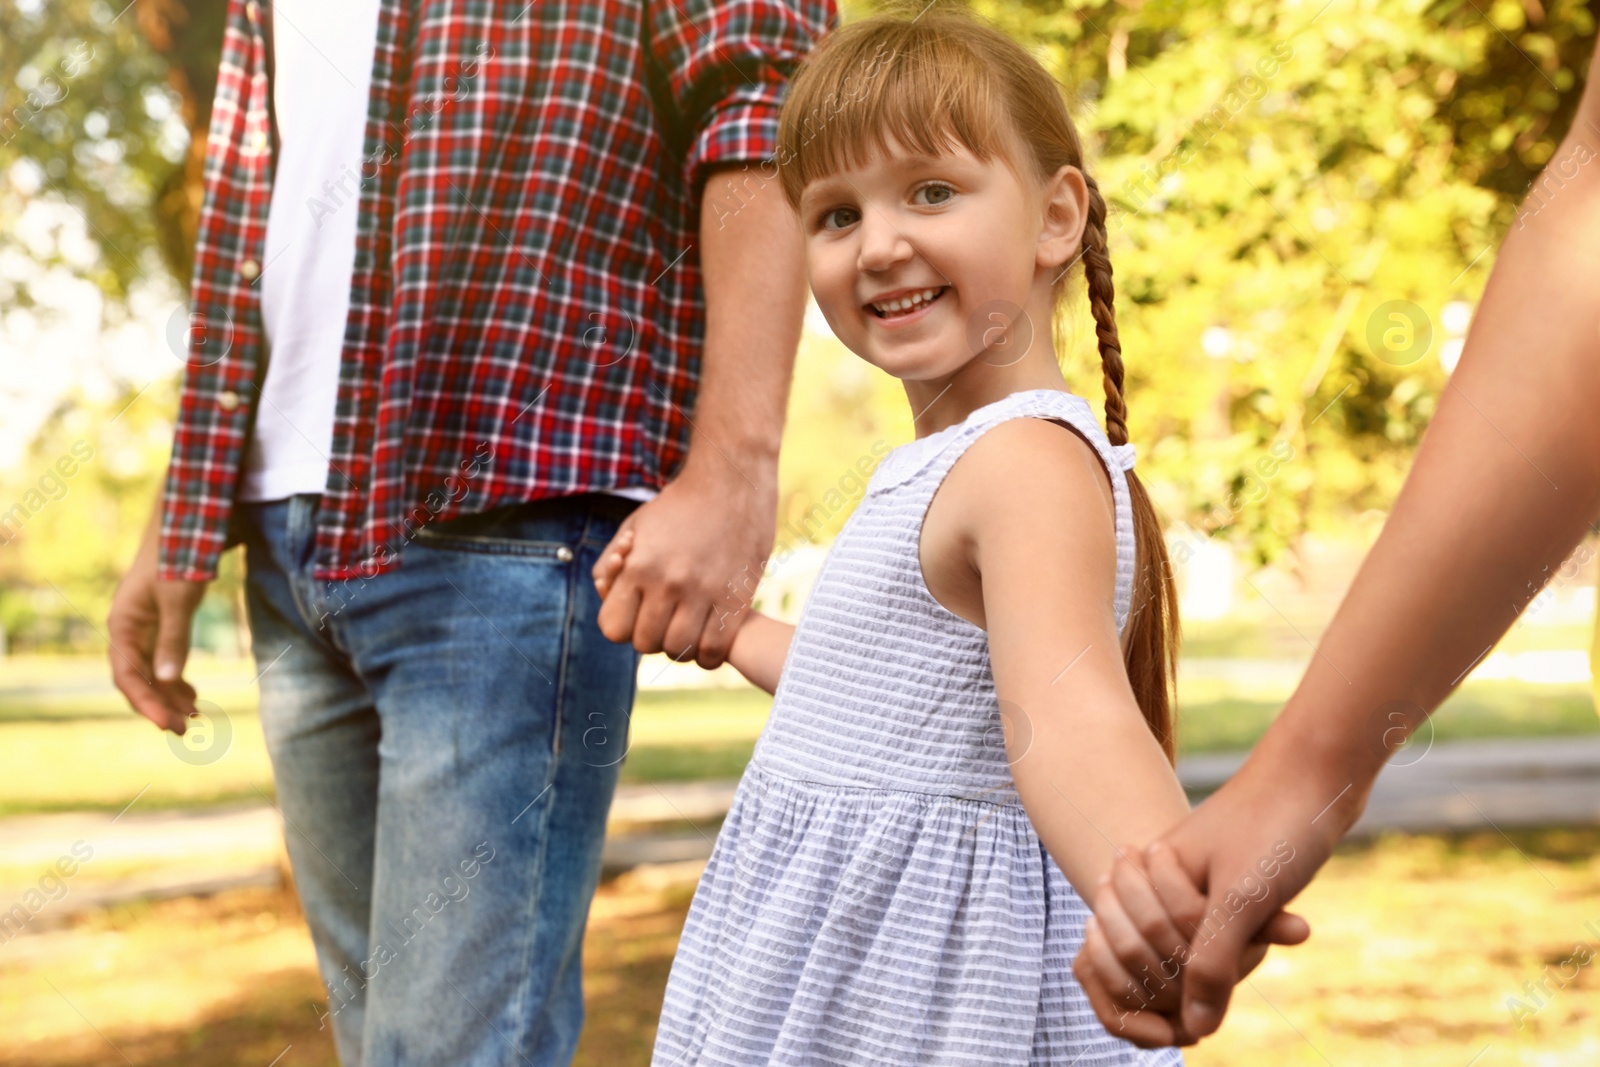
<point>899,227</point>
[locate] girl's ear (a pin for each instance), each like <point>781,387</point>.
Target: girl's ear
<point>1065,214</point>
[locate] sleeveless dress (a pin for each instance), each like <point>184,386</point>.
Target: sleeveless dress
<point>877,895</point>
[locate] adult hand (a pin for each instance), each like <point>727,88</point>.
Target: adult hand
<point>698,550</point>
<point>1131,961</point>
<point>149,635</point>
<point>1250,848</point>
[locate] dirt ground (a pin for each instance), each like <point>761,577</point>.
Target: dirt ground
<point>1422,949</point>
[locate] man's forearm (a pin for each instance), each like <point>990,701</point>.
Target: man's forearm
<point>1504,486</point>
<point>753,258</point>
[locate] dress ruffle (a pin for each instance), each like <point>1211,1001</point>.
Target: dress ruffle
<point>864,926</point>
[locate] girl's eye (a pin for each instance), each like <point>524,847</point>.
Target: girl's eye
<point>830,213</point>
<point>934,187</point>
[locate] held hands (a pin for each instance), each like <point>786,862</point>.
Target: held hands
<point>760,645</point>
<point>694,552</point>
<point>611,562</point>
<point>1180,923</point>
<point>1138,948</point>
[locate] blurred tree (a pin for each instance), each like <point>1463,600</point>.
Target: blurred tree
<point>95,124</point>
<point>1297,191</point>
<point>188,35</point>
<point>102,132</point>
<point>72,513</point>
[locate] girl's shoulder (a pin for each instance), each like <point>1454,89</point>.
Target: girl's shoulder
<point>932,457</point>
<point>1027,471</point>
<point>1034,475</point>
<point>1022,489</point>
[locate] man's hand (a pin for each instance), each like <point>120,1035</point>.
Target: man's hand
<point>149,631</point>
<point>1208,895</point>
<point>696,553</point>
<point>701,545</point>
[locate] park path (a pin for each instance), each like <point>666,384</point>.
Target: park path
<point>1499,784</point>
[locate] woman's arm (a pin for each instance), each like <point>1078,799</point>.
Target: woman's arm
<point>1041,538</point>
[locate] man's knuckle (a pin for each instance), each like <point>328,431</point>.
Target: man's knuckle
<point>641,571</point>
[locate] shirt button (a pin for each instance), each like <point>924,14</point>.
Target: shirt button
<point>564,554</point>
<point>227,400</point>
<point>249,270</point>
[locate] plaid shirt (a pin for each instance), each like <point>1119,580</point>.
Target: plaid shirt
<point>529,322</point>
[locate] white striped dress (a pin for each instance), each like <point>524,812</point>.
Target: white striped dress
<point>877,894</point>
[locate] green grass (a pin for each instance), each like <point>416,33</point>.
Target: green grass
<point>73,746</point>
<point>690,735</point>
<point>1273,638</point>
<point>104,764</point>
<point>1477,710</point>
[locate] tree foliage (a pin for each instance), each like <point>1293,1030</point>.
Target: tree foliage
<point>1299,192</point>
<point>94,139</point>
<point>1285,180</point>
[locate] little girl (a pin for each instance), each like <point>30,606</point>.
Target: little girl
<point>973,714</point>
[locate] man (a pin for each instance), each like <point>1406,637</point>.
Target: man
<point>450,337</point>
<point>1505,486</point>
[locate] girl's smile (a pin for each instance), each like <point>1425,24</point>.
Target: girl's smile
<point>904,306</point>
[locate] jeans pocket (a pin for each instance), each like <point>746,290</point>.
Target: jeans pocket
<point>538,531</point>
<point>451,541</point>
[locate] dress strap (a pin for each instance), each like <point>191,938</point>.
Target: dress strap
<point>923,471</point>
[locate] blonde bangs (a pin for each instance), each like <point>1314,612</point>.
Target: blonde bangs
<point>902,87</point>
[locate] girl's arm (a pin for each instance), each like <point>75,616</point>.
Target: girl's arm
<point>758,649</point>
<point>1040,536</point>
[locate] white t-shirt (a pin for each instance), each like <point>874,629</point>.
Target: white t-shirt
<point>322,75</point>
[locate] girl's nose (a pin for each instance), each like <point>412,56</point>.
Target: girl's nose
<point>883,241</point>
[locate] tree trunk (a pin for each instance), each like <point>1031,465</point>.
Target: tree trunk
<point>188,35</point>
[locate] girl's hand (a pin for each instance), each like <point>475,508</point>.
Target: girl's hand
<point>611,562</point>
<point>1133,961</point>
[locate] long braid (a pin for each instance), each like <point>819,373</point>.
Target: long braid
<point>1097,271</point>
<point>1152,636</point>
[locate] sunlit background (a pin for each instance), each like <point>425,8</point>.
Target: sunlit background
<point>1306,199</point>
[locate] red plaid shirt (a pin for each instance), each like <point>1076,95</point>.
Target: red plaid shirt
<point>529,323</point>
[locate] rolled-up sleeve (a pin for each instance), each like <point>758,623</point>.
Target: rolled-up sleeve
<point>727,67</point>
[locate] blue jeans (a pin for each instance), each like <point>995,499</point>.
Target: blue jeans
<point>445,739</point>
